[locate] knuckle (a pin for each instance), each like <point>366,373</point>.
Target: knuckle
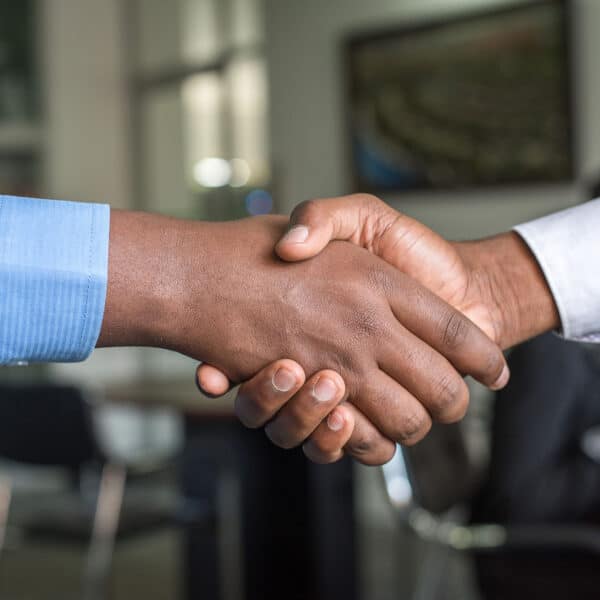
<point>365,443</point>
<point>370,447</point>
<point>248,421</point>
<point>414,428</point>
<point>278,437</point>
<point>379,456</point>
<point>244,415</point>
<point>298,425</point>
<point>451,397</point>
<point>458,414</point>
<point>388,454</point>
<point>372,199</point>
<point>456,330</point>
<point>320,453</point>
<point>350,366</point>
<point>494,363</point>
<point>250,411</point>
<point>368,323</point>
<point>305,210</point>
<point>324,442</point>
<point>313,454</point>
<point>382,280</point>
<point>371,205</point>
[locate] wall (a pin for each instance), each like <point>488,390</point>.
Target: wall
<point>85,100</point>
<point>303,45</point>
<point>86,129</point>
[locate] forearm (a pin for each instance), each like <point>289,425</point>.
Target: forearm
<point>511,282</point>
<point>184,286</point>
<point>146,282</point>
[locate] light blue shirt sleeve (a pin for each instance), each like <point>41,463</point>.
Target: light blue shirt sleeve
<point>53,279</point>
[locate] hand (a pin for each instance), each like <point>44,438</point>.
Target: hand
<point>287,408</point>
<point>216,292</point>
<point>496,282</point>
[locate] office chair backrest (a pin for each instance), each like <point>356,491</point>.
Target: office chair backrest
<point>439,469</point>
<point>45,425</point>
<point>539,470</point>
<point>436,474</point>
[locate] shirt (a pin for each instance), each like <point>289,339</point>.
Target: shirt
<point>53,279</point>
<point>566,245</point>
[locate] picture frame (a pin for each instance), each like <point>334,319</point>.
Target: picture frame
<point>474,100</point>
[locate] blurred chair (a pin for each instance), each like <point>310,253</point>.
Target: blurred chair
<point>5,497</point>
<point>53,426</point>
<point>531,521</point>
<point>543,465</point>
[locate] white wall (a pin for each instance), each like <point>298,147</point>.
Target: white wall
<point>86,130</point>
<point>303,45</point>
<point>86,102</point>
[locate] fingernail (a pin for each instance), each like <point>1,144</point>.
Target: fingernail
<point>335,422</point>
<point>502,380</point>
<point>324,390</point>
<point>283,380</point>
<point>296,235</point>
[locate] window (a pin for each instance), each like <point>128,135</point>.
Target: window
<point>199,107</point>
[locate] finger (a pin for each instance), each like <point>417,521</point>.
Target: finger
<point>260,398</point>
<point>303,413</point>
<point>447,330</point>
<point>367,444</point>
<point>211,381</point>
<point>392,409</point>
<point>314,223</point>
<point>326,444</point>
<point>425,374</point>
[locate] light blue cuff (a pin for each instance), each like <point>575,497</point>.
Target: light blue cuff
<point>53,278</point>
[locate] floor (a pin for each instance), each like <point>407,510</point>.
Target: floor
<point>147,568</point>
<point>150,566</point>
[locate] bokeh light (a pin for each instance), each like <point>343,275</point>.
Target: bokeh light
<point>259,202</point>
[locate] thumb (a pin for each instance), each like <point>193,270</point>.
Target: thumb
<point>211,381</point>
<point>315,223</point>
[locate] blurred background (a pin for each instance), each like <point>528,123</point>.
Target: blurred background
<point>117,479</point>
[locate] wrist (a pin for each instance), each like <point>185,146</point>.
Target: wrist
<point>512,285</point>
<point>145,281</point>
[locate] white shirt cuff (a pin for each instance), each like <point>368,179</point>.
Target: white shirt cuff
<point>567,247</point>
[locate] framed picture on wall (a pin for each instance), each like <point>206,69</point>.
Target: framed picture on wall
<point>478,100</point>
<point>20,139</point>
<point>18,101</point>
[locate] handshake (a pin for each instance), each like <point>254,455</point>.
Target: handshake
<point>350,326</point>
